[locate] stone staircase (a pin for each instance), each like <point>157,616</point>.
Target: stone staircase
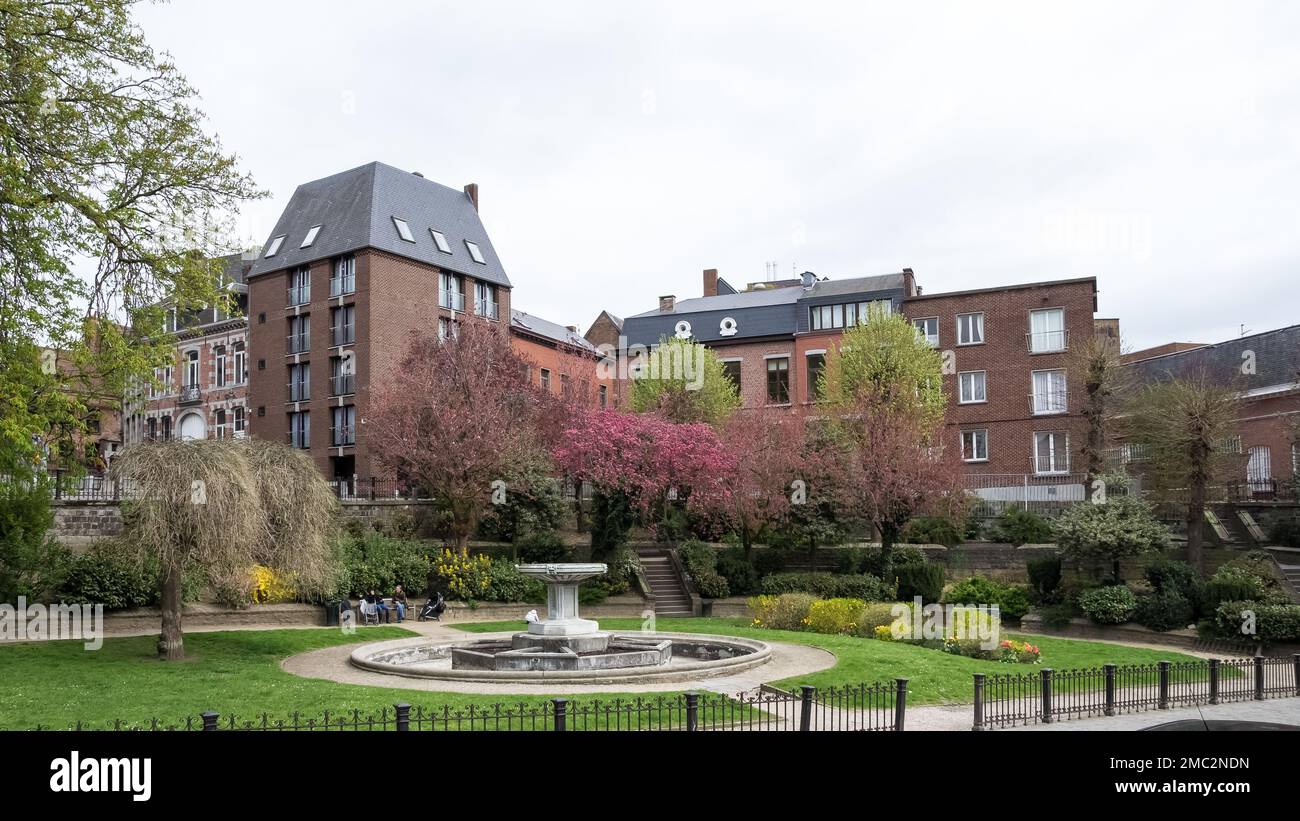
<point>1292,573</point>
<point>671,598</point>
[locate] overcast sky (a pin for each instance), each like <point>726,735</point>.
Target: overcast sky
<point>621,148</point>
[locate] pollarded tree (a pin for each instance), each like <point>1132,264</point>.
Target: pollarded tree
<point>886,359</point>
<point>1105,382</point>
<point>1184,429</point>
<point>224,506</point>
<point>1123,527</point>
<point>684,382</point>
<point>454,417</point>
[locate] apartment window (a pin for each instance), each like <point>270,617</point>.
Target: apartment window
<point>239,423</point>
<point>311,236</point>
<point>343,278</point>
<point>971,387</point>
<point>1049,391</point>
<point>440,240</point>
<point>604,397</point>
<point>546,380</point>
<point>300,429</point>
<point>343,325</point>
<point>874,308</point>
<point>241,364</point>
<point>474,253</point>
<point>451,293</point>
<point>970,329</point>
<point>299,334</point>
<point>975,445</point>
<point>299,382</point>
<point>928,329</point>
<point>731,367</point>
<point>341,383</point>
<point>153,429</point>
<point>1232,445</point>
<point>1051,452</point>
<point>220,428</point>
<point>299,292</point>
<point>1047,331</point>
<point>816,364</point>
<point>344,428</point>
<point>403,230</point>
<point>167,428</point>
<point>274,247</point>
<point>566,390</point>
<point>1259,466</point>
<point>778,381</point>
<point>192,369</point>
<point>219,358</point>
<point>485,300</point>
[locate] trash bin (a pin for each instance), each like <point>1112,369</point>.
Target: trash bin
<point>706,608</point>
<point>332,608</point>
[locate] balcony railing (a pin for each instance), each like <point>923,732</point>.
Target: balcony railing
<point>345,335</point>
<point>451,300</point>
<point>1047,341</point>
<point>299,391</point>
<point>342,285</point>
<point>1042,404</point>
<point>299,295</point>
<point>342,385</point>
<point>299,439</point>
<point>298,343</point>
<point>191,394</point>
<point>345,435</point>
<point>487,309</point>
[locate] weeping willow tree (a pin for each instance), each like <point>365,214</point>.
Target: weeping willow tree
<point>224,506</point>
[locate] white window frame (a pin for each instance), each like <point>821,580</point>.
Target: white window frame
<point>219,359</point>
<point>440,240</point>
<point>923,331</point>
<point>475,253</point>
<point>977,436</point>
<point>1049,333</point>
<point>241,364</point>
<point>1049,408</point>
<point>976,324</point>
<point>311,236</point>
<point>1064,451</point>
<point>403,230</point>
<point>983,384</point>
<point>274,247</point>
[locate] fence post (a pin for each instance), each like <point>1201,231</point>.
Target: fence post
<point>209,720</point>
<point>1163,696</point>
<point>1047,695</point>
<point>805,707</point>
<point>692,712</point>
<point>1110,690</point>
<point>372,488</point>
<point>1259,678</point>
<point>1214,681</point>
<point>561,710</point>
<point>403,717</point>
<point>979,702</point>
<point>900,704</point>
<point>58,483</point>
<point>1296,675</point>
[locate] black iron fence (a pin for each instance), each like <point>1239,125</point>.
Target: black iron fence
<point>1048,695</point>
<point>880,707</point>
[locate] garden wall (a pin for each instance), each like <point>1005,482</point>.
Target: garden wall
<point>77,524</point>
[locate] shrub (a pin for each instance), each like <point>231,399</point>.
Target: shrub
<point>933,530</point>
<point>270,587</point>
<point>112,574</point>
<point>1122,528</point>
<point>768,561</point>
<point>623,567</point>
<point>784,612</point>
<point>701,562</point>
<point>1164,610</point>
<point>30,562</point>
<point>1019,527</point>
<point>543,547</point>
<point>460,577</point>
<point>1044,574</point>
<point>740,574</point>
<point>507,584</point>
<point>1108,605</point>
<point>1273,622</point>
<point>835,615</point>
<point>381,563</point>
<point>827,585</point>
<point>1012,600</point>
<point>1171,575</point>
<point>1057,615</point>
<point>924,580</point>
<point>877,614</point>
<point>1216,591</point>
<point>535,504</point>
<point>901,555</point>
<point>1285,532</point>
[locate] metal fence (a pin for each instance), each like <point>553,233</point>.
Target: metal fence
<point>995,493</point>
<point>867,707</point>
<point>1018,699</point>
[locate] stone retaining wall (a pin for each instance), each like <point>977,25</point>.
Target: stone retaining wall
<point>77,524</point>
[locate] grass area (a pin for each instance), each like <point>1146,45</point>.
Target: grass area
<point>56,684</point>
<point>934,677</point>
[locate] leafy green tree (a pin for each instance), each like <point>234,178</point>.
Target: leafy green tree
<point>886,359</point>
<point>1123,527</point>
<point>684,382</point>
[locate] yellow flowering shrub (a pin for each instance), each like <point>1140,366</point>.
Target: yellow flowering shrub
<point>270,587</point>
<point>835,615</point>
<point>784,612</point>
<point>457,576</point>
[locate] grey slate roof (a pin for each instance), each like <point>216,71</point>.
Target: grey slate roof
<point>548,329</point>
<point>355,210</point>
<point>1276,358</point>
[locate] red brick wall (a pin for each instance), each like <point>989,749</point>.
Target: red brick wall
<point>1266,423</point>
<point>213,398</point>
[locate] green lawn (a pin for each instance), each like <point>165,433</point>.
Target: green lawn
<point>55,684</point>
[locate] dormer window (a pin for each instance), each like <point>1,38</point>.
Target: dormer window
<point>440,240</point>
<point>311,236</point>
<point>275,246</point>
<point>474,253</point>
<point>403,230</point>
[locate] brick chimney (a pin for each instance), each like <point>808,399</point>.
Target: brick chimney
<point>472,191</point>
<point>710,281</point>
<point>909,283</point>
<point>667,303</point>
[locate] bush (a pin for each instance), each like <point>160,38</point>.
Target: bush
<point>784,612</point>
<point>623,567</point>
<point>741,576</point>
<point>611,519</point>
<point>1171,575</point>
<point>543,547</point>
<point>31,563</point>
<point>378,562</point>
<point>768,561</point>
<point>1165,610</point>
<point>1044,574</point>
<point>877,614</point>
<point>1273,622</point>
<point>856,560</point>
<point>1019,527</point>
<point>933,530</point>
<point>1108,605</point>
<point>111,573</point>
<point>700,561</point>
<point>1012,600</point>
<point>270,587</point>
<point>535,503</point>
<point>507,584</point>
<point>835,616</point>
<point>1057,615</point>
<point>1285,532</point>
<point>827,586</point>
<point>924,580</point>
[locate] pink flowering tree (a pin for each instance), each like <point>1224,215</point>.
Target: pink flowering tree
<point>765,451</point>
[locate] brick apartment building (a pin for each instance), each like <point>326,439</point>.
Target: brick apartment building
<point>562,361</point>
<point>203,394</point>
<point>1014,406</point>
<point>1265,370</point>
<point>358,261</point>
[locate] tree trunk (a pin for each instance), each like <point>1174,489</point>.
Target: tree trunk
<point>1195,525</point>
<point>171,645</point>
<point>746,543</point>
<point>888,537</point>
<point>462,540</point>
<point>1114,571</point>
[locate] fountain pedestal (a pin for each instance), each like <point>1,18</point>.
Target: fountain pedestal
<point>562,582</point>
